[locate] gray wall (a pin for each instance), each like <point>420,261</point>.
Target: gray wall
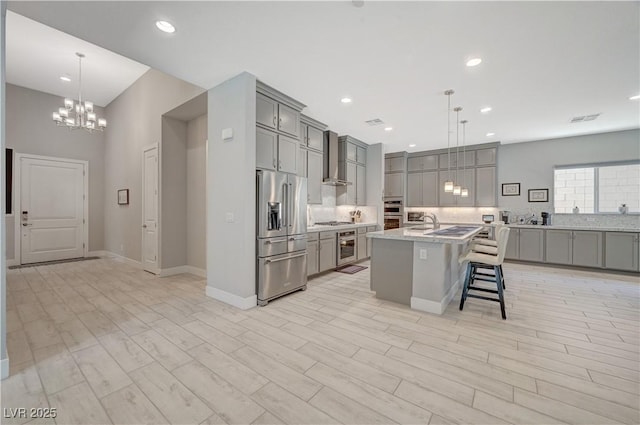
<point>135,122</point>
<point>196,192</point>
<point>30,130</point>
<point>531,163</point>
<point>231,190</point>
<point>174,193</point>
<point>3,256</point>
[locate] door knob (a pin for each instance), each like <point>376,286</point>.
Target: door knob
<point>27,224</point>
<point>144,226</point>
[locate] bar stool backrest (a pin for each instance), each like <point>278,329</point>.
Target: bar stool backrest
<point>502,237</point>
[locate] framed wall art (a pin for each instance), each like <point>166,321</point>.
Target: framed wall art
<point>510,189</point>
<point>123,197</point>
<point>538,195</point>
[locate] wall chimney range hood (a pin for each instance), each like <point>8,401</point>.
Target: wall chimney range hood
<point>330,169</point>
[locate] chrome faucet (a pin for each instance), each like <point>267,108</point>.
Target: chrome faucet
<point>434,219</point>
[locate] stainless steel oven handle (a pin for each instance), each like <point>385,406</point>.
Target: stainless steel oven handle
<point>286,258</point>
<point>277,241</point>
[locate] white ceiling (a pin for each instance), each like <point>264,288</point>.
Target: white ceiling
<point>37,55</point>
<point>543,62</point>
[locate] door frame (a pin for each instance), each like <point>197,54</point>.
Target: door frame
<point>158,209</point>
<point>17,189</point>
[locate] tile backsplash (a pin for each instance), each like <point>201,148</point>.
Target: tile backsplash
<point>328,211</point>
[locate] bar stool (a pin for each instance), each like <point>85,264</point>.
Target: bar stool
<point>479,262</point>
<point>489,246</point>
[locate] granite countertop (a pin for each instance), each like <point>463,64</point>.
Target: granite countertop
<point>319,228</point>
<point>424,235</point>
<point>566,227</point>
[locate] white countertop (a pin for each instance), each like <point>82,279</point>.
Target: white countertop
<point>318,228</point>
<point>539,226</point>
<point>424,235</point>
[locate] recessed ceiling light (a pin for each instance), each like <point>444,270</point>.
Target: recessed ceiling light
<point>486,109</point>
<point>491,134</point>
<point>346,100</point>
<point>636,97</point>
<point>165,26</point>
<point>413,145</point>
<point>388,128</point>
<point>65,78</point>
<point>474,61</point>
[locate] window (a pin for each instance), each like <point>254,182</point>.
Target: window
<point>597,189</point>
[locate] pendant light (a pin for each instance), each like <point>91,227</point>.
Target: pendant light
<point>448,185</point>
<point>457,189</point>
<point>79,115</point>
<point>464,193</point>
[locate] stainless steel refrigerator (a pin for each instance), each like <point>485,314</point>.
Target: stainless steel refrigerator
<point>281,234</point>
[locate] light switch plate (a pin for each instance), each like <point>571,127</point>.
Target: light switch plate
<point>423,254</point>
<point>229,217</point>
<point>227,134</point>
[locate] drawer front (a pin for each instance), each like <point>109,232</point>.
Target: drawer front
<point>272,246</point>
<point>362,230</point>
<point>372,228</point>
<point>297,243</point>
<point>328,235</point>
<point>313,236</point>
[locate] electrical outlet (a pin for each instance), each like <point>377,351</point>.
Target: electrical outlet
<point>230,217</point>
<point>423,254</point>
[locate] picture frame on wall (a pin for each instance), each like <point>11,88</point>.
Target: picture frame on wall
<point>510,189</point>
<point>538,195</point>
<point>123,197</point>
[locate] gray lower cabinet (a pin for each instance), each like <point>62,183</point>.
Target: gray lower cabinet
<point>369,243</point>
<point>559,246</point>
<point>525,244</point>
<point>362,246</point>
<point>312,257</point>
<point>574,247</point>
<point>486,187</point>
<point>587,248</point>
<point>327,253</point>
<point>622,250</point>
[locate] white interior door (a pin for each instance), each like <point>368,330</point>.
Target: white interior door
<point>52,209</point>
<point>150,210</point>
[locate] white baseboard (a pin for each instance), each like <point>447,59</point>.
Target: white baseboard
<point>129,261</point>
<point>98,253</point>
<point>12,262</point>
<point>183,269</point>
<point>232,299</point>
<point>435,307</point>
<point>4,368</point>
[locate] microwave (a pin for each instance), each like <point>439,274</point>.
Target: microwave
<point>415,217</point>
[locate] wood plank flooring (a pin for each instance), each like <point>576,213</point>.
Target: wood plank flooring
<point>103,342</point>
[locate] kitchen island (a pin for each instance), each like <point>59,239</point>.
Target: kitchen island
<point>418,266</point>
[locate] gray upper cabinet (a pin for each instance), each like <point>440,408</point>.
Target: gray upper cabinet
<point>393,185</point>
<point>458,159</point>
<point>276,152</point>
<point>266,111</point>
<point>351,153</point>
<point>394,164</point>
<point>446,198</point>
<point>621,251</point>
<point>361,155</point>
<point>287,154</point>
<point>422,189</point>
<point>486,156</point>
<point>303,164</point>
<point>361,181</point>
<point>486,187</point>
<point>422,163</point>
<point>266,149</point>
<point>414,189</point>
<point>315,138</point>
<point>288,120</point>
<point>467,178</point>
<point>314,177</point>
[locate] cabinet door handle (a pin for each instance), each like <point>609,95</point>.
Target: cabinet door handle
<point>279,164</point>
<point>274,163</point>
<point>274,120</point>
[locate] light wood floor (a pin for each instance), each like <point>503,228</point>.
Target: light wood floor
<point>102,342</point>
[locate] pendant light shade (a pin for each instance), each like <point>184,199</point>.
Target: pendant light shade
<point>448,185</point>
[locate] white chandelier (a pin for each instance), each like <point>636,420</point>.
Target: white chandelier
<point>78,114</point>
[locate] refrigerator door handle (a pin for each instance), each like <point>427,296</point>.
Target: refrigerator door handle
<point>290,203</point>
<point>285,201</point>
<point>286,258</point>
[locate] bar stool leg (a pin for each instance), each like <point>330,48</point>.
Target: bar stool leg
<point>500,284</point>
<point>502,278</point>
<point>465,285</point>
